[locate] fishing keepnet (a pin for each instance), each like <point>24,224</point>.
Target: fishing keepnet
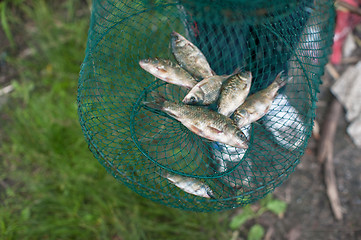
<point>140,146</point>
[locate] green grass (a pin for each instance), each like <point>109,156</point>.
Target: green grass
<point>51,187</point>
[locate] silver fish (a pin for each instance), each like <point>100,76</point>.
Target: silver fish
<point>203,122</point>
<point>225,155</point>
<point>190,185</point>
<point>206,91</point>
<point>258,104</point>
<point>190,57</point>
<point>233,93</point>
<point>168,71</point>
<point>285,123</point>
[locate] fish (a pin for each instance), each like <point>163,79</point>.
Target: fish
<point>203,122</point>
<point>190,185</point>
<point>190,57</point>
<point>206,91</point>
<point>234,92</point>
<point>285,123</point>
<point>168,71</point>
<point>224,155</point>
<point>258,104</point>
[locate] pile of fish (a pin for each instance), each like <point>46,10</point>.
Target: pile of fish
<point>235,109</point>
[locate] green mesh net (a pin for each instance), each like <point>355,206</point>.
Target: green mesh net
<point>157,156</point>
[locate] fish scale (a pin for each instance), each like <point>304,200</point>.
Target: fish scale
<point>203,122</point>
<point>234,92</point>
<point>207,91</point>
<point>190,57</point>
<point>168,72</point>
<point>258,104</point>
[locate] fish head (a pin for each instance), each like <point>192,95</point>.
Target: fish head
<point>237,139</point>
<point>145,62</point>
<point>241,139</point>
<point>154,66</point>
<point>246,76</point>
<point>148,64</point>
<point>241,117</point>
<point>194,97</point>
<point>178,39</point>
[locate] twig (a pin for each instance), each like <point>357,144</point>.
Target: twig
<point>235,235</point>
<point>332,71</point>
<point>316,130</point>
<point>269,233</point>
<point>6,90</point>
<point>331,186</point>
<point>325,152</point>
<point>351,60</point>
<point>348,7</point>
<point>329,130</point>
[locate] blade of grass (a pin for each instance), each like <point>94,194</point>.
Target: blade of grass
<point>4,23</point>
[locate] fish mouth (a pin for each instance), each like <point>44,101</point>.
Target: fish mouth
<point>143,61</point>
<point>175,36</point>
<point>244,146</point>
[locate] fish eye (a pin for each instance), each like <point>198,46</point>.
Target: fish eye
<point>241,135</point>
<point>193,99</point>
<point>243,113</point>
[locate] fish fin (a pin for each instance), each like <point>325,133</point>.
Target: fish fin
<point>282,80</point>
<point>215,130</point>
<point>154,104</point>
<point>157,95</point>
<point>196,130</point>
<point>161,174</point>
<point>161,69</point>
<point>236,71</point>
<point>158,103</point>
<point>258,123</point>
<point>172,115</point>
<point>202,84</point>
<point>213,72</point>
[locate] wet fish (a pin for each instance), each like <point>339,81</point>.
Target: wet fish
<point>203,122</point>
<point>206,91</point>
<point>190,185</point>
<point>225,155</point>
<point>190,57</point>
<point>285,123</point>
<point>233,93</point>
<point>258,104</point>
<point>168,71</point>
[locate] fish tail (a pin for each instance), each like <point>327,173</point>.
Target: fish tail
<point>157,103</point>
<point>282,80</point>
<point>161,174</point>
<point>237,70</point>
